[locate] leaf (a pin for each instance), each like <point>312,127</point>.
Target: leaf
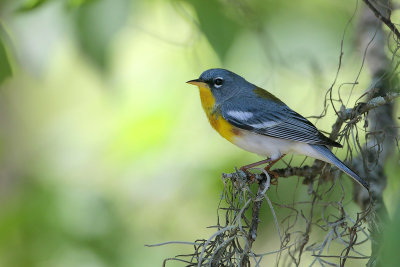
<point>96,24</point>
<point>77,3</point>
<point>5,67</point>
<point>219,28</point>
<point>390,243</point>
<point>29,5</point>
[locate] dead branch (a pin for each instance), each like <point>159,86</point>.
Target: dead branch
<point>385,18</point>
<point>353,115</point>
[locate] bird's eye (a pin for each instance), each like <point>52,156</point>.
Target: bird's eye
<point>218,82</point>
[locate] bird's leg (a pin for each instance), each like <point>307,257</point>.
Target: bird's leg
<point>274,174</point>
<point>267,168</point>
<point>272,162</point>
<point>249,166</point>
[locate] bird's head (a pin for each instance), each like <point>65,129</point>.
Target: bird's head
<point>222,83</point>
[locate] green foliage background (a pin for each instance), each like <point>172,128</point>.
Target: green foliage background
<point>104,148</point>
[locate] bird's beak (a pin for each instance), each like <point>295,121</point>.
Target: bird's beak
<point>197,82</point>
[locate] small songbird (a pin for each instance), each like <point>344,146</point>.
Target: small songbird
<point>257,121</point>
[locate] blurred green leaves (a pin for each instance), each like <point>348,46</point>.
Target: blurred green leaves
<point>5,67</point>
<point>217,26</point>
<point>96,23</point>
<point>29,5</point>
<point>77,3</point>
<point>94,30</point>
<point>44,223</point>
<point>390,255</point>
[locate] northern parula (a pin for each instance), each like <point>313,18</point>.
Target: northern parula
<point>257,121</point>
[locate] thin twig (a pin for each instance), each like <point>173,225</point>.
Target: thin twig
<point>173,242</point>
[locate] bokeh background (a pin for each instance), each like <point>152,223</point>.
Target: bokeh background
<point>104,148</point>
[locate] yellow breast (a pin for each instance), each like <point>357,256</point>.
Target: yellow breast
<point>223,127</point>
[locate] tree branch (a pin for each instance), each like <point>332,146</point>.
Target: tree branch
<point>383,18</point>
<point>354,114</point>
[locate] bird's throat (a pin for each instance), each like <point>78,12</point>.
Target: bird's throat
<point>207,100</point>
<point>214,117</point>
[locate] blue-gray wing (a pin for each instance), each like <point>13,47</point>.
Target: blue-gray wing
<point>272,118</point>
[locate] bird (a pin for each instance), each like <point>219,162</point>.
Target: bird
<point>257,121</point>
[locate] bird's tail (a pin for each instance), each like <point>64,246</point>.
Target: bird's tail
<point>331,158</point>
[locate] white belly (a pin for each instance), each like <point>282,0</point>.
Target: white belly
<point>274,147</point>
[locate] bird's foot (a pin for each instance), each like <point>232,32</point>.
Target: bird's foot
<point>275,175</point>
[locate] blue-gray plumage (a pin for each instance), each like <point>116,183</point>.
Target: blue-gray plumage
<point>262,123</point>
